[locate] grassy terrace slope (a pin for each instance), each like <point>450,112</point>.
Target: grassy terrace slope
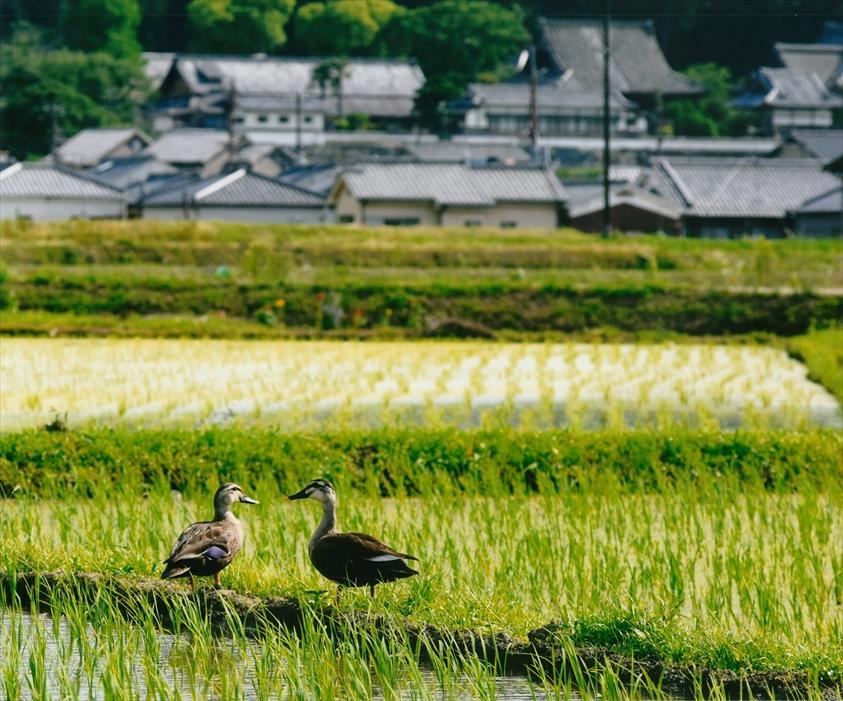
<point>230,280</point>
<point>696,548</point>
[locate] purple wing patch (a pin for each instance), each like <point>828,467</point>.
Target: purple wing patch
<point>215,552</point>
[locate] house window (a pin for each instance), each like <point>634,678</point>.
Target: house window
<point>346,219</point>
<point>472,222</point>
<point>508,224</point>
<point>283,118</point>
<point>401,221</point>
<point>262,119</point>
<point>308,119</point>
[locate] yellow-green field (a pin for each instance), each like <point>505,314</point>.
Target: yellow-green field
<point>294,384</point>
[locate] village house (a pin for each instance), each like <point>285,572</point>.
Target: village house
<point>826,145</point>
<point>728,198</point>
<point>790,99</point>
<point>90,147</point>
<point>821,216</point>
<point>824,59</point>
<point>633,208</point>
<point>50,192</point>
<point>449,194</point>
<point>207,151</point>
<point>804,88</point>
<point>236,196</point>
<point>288,96</point>
<point>638,69</point>
<point>563,108</point>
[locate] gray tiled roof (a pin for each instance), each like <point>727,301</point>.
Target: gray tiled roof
<point>825,144</point>
<point>790,88</point>
<point>44,181</point>
<point>237,189</point>
<point>557,97</point>
<point>90,146</point>
<point>822,59</point>
<point>156,66</point>
<point>189,146</point>
<point>124,172</point>
<point>637,62</point>
<point>316,178</point>
<point>399,105</point>
<point>453,184</point>
<point>828,203</point>
<point>741,187</point>
<point>588,198</point>
<point>449,152</point>
<point>374,86</point>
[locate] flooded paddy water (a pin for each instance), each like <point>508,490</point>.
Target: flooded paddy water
<point>51,658</point>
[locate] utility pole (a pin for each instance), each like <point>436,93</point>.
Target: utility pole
<point>607,116</point>
<point>534,107</point>
<point>54,132</point>
<point>298,122</point>
<point>232,107</point>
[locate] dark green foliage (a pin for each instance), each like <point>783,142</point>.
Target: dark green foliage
<point>340,27</point>
<point>709,114</point>
<point>101,25</point>
<point>454,41</point>
<point>414,462</point>
<point>163,25</point>
<point>238,26</point>
<point>74,89</point>
<point>495,306</point>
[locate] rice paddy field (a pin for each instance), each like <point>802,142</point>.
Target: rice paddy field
<point>656,513</point>
<point>323,384</point>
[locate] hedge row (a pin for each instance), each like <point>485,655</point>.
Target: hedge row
<point>491,307</point>
<point>414,462</point>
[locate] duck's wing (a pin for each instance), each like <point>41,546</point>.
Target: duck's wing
<point>367,546</point>
<point>205,539</point>
<point>358,559</point>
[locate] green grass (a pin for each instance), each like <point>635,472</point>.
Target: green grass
<point>822,353</point>
<point>507,281</point>
<point>707,549</point>
<point>722,574</point>
<point>414,462</point>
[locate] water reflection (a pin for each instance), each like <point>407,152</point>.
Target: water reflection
<point>46,658</point>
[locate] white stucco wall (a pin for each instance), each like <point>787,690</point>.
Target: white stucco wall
<point>377,214</point>
<point>57,209</point>
<point>264,215</point>
<point>538,216</point>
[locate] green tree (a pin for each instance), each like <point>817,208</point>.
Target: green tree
<point>341,27</point>
<point>238,26</point>
<point>709,114</point>
<point>101,25</point>
<point>75,89</point>
<point>454,41</point>
<point>331,73</point>
<point>163,25</point>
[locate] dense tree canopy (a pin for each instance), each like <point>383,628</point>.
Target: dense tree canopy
<point>75,89</point>
<point>454,41</point>
<point>341,27</point>
<point>709,114</point>
<point>238,26</point>
<point>101,25</point>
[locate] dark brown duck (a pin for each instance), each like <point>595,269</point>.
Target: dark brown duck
<point>206,548</point>
<point>349,559</point>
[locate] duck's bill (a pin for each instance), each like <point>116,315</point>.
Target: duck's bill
<point>303,494</point>
<point>248,500</point>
